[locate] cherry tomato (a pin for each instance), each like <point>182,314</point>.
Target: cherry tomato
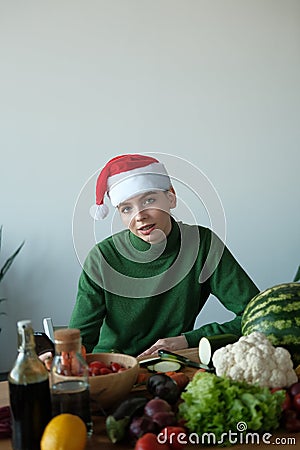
<point>115,367</point>
<point>174,436</point>
<point>97,364</point>
<point>296,402</point>
<point>66,360</point>
<point>149,442</point>
<point>95,368</point>
<point>105,371</point>
<point>94,371</point>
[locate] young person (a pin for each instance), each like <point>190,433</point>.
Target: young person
<point>142,289</point>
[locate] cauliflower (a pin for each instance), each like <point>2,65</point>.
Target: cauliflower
<point>255,360</point>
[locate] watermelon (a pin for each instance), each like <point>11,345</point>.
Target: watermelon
<point>276,313</point>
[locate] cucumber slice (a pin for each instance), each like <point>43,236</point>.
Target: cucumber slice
<point>208,345</point>
<point>165,366</point>
<point>204,351</point>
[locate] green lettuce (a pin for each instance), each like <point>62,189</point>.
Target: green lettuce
<point>213,404</point>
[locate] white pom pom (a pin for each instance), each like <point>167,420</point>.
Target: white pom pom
<point>99,212</point>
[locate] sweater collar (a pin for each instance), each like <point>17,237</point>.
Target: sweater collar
<point>172,244</point>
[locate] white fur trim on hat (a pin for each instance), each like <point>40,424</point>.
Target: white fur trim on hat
<point>125,185</point>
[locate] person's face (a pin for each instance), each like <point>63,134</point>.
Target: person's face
<point>148,215</point>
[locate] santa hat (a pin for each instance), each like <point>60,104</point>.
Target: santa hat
<point>124,177</point>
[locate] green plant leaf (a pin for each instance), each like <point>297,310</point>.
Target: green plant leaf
<point>6,266</point>
<point>9,261</point>
<point>297,276</point>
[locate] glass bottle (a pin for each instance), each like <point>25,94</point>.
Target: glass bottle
<point>29,392</point>
<point>69,377</point>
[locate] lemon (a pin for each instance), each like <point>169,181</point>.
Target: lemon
<point>64,432</point>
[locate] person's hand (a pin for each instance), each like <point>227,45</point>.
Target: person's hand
<point>46,358</point>
<point>170,343</point>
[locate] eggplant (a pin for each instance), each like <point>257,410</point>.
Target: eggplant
<point>162,386</point>
<point>129,407</point>
<point>118,422</point>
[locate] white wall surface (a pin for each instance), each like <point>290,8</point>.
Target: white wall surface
<point>214,82</point>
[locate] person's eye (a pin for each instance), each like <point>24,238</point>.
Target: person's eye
<point>125,209</point>
<point>148,201</point>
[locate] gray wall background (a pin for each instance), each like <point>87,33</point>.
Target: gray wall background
<point>215,83</point>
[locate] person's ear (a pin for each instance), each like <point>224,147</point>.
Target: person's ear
<point>172,197</point>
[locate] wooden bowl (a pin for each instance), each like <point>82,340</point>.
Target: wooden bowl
<point>106,391</point>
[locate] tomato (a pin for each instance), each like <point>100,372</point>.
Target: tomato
<point>98,364</point>
<point>115,367</point>
<point>105,371</point>
<point>181,379</point>
<point>296,402</point>
<point>174,436</point>
<point>95,368</point>
<point>142,377</point>
<point>94,371</point>
<point>66,360</point>
<point>100,368</point>
<point>149,442</point>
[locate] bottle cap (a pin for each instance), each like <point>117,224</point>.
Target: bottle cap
<point>67,339</point>
<point>25,334</point>
<point>24,324</point>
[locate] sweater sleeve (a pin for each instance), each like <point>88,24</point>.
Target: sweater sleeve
<point>89,310</point>
<point>231,285</point>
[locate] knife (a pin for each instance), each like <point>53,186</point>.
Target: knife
<point>150,361</point>
<point>166,355</point>
<point>48,328</point>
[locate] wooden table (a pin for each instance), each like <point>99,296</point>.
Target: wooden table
<point>100,441</point>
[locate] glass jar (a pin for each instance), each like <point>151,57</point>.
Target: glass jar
<point>29,392</point>
<point>69,377</point>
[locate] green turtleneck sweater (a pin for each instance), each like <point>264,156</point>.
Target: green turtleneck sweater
<point>131,293</point>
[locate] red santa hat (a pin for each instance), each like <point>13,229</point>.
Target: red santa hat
<point>124,177</point>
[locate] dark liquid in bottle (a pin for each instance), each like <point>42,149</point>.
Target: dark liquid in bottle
<point>31,411</point>
<point>72,397</point>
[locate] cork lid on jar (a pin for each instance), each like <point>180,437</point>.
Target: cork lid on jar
<point>67,339</point>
